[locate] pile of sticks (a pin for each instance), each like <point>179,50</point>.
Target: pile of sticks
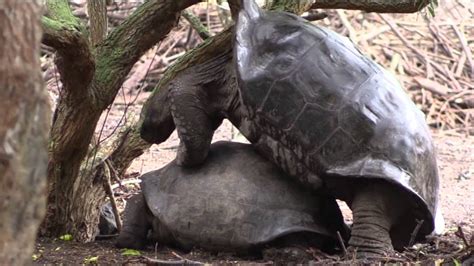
<point>431,57</point>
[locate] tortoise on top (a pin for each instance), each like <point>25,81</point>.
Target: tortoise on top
<point>309,101</point>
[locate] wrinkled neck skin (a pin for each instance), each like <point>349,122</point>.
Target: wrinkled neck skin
<point>230,104</point>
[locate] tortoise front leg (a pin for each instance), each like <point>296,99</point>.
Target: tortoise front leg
<point>192,117</point>
<point>157,122</point>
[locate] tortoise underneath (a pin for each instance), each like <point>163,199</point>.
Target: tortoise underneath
<point>236,201</point>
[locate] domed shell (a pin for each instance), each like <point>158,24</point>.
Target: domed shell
<point>237,200</point>
<point>346,116</point>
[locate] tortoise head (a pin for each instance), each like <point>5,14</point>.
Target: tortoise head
<point>268,40</point>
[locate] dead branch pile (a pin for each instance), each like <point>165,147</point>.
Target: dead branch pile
<point>432,57</point>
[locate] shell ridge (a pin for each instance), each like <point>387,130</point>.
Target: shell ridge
<point>260,108</point>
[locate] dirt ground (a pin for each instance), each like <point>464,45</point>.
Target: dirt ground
<point>456,164</point>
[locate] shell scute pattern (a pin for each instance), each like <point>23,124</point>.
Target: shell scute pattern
<point>339,148</point>
<point>313,127</point>
<point>282,107</point>
<point>359,127</point>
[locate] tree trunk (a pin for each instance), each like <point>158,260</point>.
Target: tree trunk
<point>24,124</point>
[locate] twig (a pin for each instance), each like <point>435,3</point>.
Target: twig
<point>432,86</point>
<point>115,174</point>
<point>454,97</point>
<point>341,242</point>
<point>171,262</point>
<point>126,182</point>
<point>460,66</point>
<point>434,29</point>
<point>110,193</point>
<point>465,47</point>
<point>181,261</point>
<point>374,33</point>
<point>460,233</point>
<point>420,55</point>
<point>347,24</point>
<point>196,24</point>
<point>415,232</point>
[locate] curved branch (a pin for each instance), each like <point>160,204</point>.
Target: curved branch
<point>75,61</point>
<point>148,25</point>
<point>61,11</point>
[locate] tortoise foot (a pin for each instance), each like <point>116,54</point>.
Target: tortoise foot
<point>130,241</point>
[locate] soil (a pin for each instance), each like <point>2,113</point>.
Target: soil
<point>456,165</point>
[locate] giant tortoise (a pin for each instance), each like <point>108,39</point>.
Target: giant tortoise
<point>236,201</point>
<point>309,101</point>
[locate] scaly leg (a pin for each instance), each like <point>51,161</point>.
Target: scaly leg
<point>189,108</point>
<point>157,122</point>
<point>195,108</point>
<point>375,210</point>
<point>136,224</point>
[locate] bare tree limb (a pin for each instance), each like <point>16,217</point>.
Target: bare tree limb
<point>196,24</point>
<point>381,6</point>
<point>65,33</point>
<point>148,25</point>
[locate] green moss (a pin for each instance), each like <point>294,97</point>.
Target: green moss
<point>104,64</point>
<point>293,6</point>
<point>60,10</point>
<point>51,24</point>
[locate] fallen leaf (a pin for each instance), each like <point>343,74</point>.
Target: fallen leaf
<point>130,252</point>
<point>90,260</point>
<point>66,237</point>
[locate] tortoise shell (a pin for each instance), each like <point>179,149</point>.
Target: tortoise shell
<point>334,110</point>
<point>236,200</point>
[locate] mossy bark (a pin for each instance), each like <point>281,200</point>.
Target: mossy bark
<point>24,120</point>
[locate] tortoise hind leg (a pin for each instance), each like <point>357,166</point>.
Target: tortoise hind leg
<point>375,211</point>
<point>136,224</point>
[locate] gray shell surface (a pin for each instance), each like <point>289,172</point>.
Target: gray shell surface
<point>328,107</point>
<point>236,200</point>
